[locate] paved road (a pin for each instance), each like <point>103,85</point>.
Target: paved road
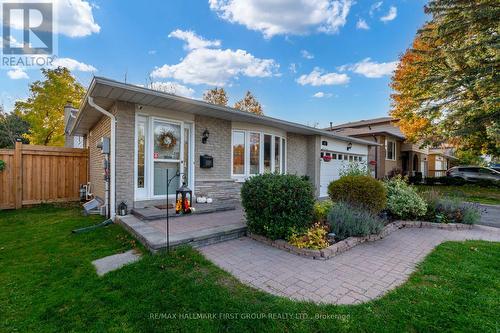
<point>490,215</point>
<point>365,272</point>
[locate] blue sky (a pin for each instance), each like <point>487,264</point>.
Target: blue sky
<point>308,61</point>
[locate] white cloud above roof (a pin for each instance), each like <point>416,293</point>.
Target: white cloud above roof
<point>73,65</point>
<point>391,15</point>
<point>319,77</point>
<point>172,88</point>
<point>362,25</point>
<point>273,18</point>
<point>216,67</point>
<point>17,74</point>
<point>371,69</point>
<point>193,41</point>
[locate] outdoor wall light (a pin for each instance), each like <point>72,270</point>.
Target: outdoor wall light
<point>205,136</point>
<point>349,146</point>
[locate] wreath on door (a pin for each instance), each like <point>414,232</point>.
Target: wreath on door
<point>166,140</point>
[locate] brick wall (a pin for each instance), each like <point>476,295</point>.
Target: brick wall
<point>297,153</point>
<point>96,171</point>
<point>125,149</point>
<point>218,145</point>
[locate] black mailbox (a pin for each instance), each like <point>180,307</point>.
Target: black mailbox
<point>206,162</point>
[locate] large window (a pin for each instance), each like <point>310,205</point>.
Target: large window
<point>390,150</point>
<point>238,153</point>
<point>255,153</point>
<point>267,152</point>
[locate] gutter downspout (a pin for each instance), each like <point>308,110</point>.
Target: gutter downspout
<point>113,154</point>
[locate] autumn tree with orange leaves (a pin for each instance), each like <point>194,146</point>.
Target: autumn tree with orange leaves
<point>445,86</point>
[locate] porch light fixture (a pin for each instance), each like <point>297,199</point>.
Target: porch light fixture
<point>205,136</point>
<point>349,146</point>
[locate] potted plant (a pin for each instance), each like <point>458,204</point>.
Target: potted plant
<point>327,158</point>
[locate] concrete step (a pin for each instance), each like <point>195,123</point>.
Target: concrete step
<point>155,240</point>
<point>154,213</point>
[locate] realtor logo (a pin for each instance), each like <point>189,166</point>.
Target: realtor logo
<point>27,33</point>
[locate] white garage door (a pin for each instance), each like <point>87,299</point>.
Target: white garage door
<point>329,171</point>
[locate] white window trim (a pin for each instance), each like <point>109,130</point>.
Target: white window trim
<point>242,177</point>
<point>149,160</point>
<point>394,150</point>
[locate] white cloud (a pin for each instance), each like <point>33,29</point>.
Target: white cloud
<point>193,41</point>
<point>285,17</point>
<point>361,24</point>
<point>372,69</point>
<point>172,88</point>
<point>319,78</point>
<point>73,18</point>
<point>305,54</point>
<point>293,68</point>
<point>391,15</point>
<point>321,94</point>
<point>375,7</point>
<point>152,52</point>
<point>17,74</point>
<point>216,67</point>
<point>73,65</point>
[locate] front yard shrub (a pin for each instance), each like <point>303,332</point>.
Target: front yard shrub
<point>321,209</point>
<point>274,204</point>
<point>403,200</point>
<point>359,191</point>
<point>2,165</point>
<point>348,221</point>
<point>313,238</point>
<point>450,209</point>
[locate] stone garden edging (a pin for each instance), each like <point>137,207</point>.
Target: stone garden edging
<point>351,242</point>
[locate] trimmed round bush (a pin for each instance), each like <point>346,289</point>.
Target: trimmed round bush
<point>359,191</point>
<point>348,221</point>
<point>403,200</point>
<point>275,205</point>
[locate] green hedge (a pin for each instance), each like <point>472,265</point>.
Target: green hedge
<point>348,221</point>
<point>275,205</point>
<point>459,181</point>
<point>360,191</point>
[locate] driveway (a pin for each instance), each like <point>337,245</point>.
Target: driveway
<point>361,274</point>
<point>490,215</point>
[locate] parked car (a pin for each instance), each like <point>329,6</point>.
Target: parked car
<point>473,173</point>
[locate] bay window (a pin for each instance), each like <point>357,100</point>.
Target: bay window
<point>255,153</point>
<point>238,153</point>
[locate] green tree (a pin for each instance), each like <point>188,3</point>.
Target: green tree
<point>216,96</point>
<point>450,90</point>
<point>12,127</point>
<point>44,108</point>
<point>249,104</point>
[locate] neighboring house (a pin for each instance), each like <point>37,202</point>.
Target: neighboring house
<point>440,160</point>
<point>394,154</point>
<point>215,148</point>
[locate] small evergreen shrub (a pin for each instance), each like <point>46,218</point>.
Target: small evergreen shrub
<point>321,209</point>
<point>403,200</point>
<point>359,191</point>
<point>348,221</point>
<point>2,165</point>
<point>274,204</point>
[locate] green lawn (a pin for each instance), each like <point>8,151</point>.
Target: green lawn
<point>472,193</point>
<point>48,284</point>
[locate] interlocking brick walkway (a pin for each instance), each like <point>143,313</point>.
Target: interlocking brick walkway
<point>363,273</point>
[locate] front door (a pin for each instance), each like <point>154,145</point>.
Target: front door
<point>163,151</point>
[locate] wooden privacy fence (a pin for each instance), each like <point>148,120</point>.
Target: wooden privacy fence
<point>36,174</point>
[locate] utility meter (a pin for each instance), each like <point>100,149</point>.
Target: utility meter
<point>104,145</point>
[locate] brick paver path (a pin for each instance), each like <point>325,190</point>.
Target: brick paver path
<point>363,273</point>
